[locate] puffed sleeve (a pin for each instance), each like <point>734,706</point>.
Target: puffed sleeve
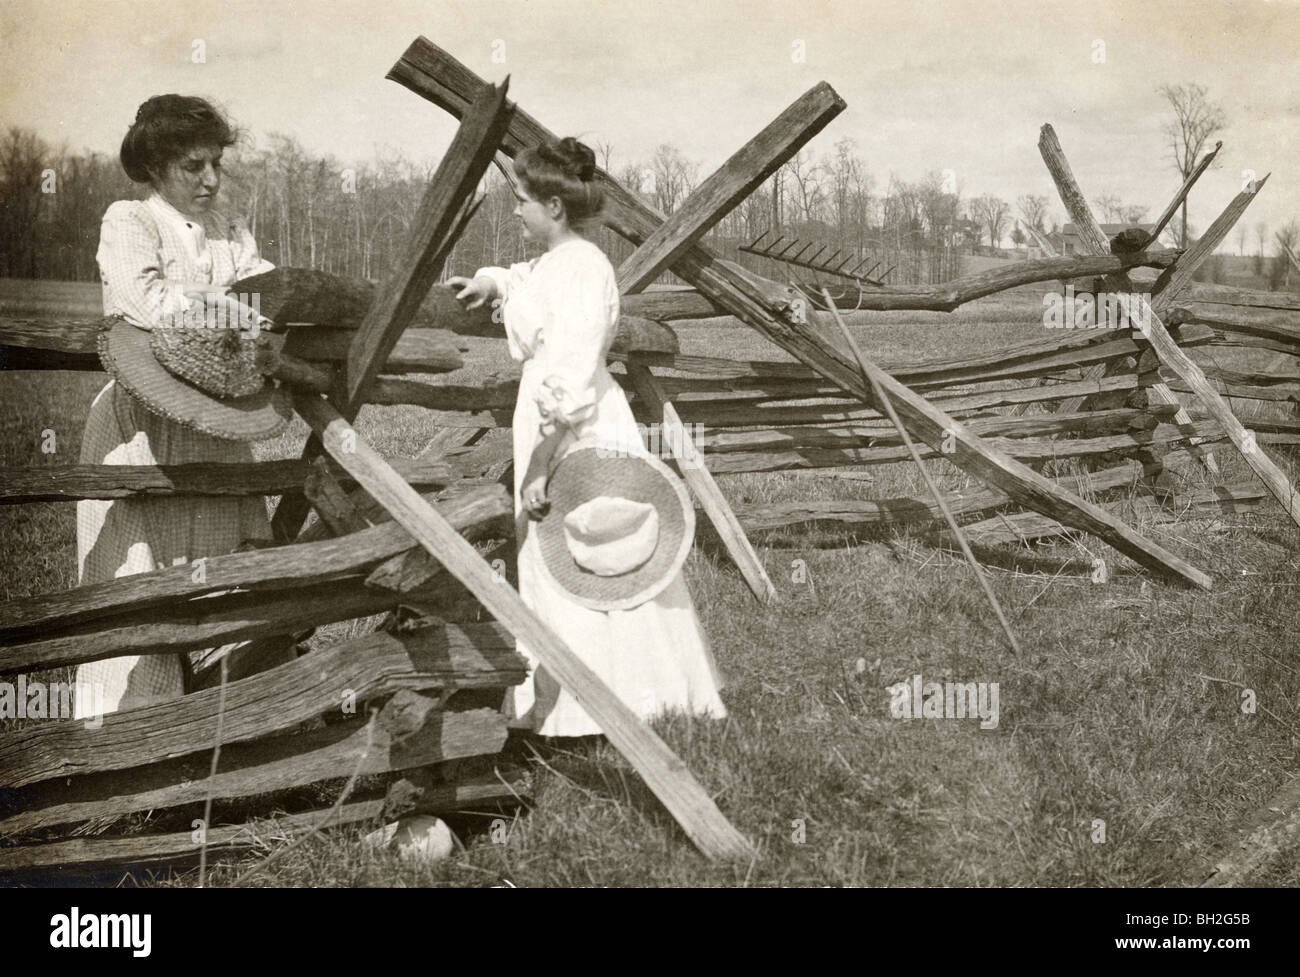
<point>508,279</point>
<point>248,260</point>
<point>130,265</point>
<point>583,308</point>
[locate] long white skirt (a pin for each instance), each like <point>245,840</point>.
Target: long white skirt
<point>126,536</point>
<point>655,657</point>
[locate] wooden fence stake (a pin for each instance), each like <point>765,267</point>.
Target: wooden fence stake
<point>869,371</point>
<point>661,769</point>
<point>765,306</point>
<point>1095,242</point>
<point>1168,351</point>
<point>397,300</point>
<point>735,180</point>
<point>697,476</point>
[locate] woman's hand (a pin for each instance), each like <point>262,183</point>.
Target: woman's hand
<point>533,496</point>
<point>474,291</point>
<point>200,290</point>
<point>222,309</point>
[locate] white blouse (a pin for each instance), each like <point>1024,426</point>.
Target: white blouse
<point>561,312</point>
<point>148,250</point>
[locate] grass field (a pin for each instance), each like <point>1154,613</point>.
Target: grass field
<point>1124,713</point>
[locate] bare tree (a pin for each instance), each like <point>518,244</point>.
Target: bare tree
<point>1033,208</point>
<point>1132,213</point>
<point>1196,120</point>
<point>605,149</point>
<point>23,158</point>
<point>1284,266</point>
<point>845,172</point>
<point>803,176</point>
<point>674,177</point>
<point>992,213</point>
<point>1110,207</point>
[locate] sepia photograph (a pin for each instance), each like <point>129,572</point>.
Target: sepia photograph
<point>572,444</point>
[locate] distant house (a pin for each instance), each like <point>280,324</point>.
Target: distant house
<point>1072,242</point>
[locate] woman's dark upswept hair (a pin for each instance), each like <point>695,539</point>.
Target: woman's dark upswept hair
<point>564,169</point>
<point>167,127</point>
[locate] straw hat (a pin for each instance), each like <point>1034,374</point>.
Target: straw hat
<point>618,528</point>
<point>201,378</point>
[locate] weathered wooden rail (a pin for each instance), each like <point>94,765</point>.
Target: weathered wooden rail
<point>1107,396</point>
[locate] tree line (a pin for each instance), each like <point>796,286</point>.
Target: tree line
<point>352,220</point>
<point>316,212</point>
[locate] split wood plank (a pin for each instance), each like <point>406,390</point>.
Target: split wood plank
<point>214,620</point>
<point>330,501</point>
<point>1174,279</point>
<point>1180,197</point>
<point>59,483</point>
<point>908,510</point>
<point>723,413</point>
<point>433,74</point>
<point>415,351</point>
<point>485,510</point>
<point>410,731</point>
<point>445,656</point>
<point>735,180</point>
<point>1024,527</point>
<point>80,854</point>
<point>846,450</point>
<point>1095,241</point>
<point>661,769</point>
<point>399,297</point>
<point>690,463</point>
<point>1171,355</point>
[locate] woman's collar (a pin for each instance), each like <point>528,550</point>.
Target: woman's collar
<point>165,209</point>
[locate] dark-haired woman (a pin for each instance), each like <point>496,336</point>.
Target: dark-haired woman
<point>560,312</point>
<point>162,260</point>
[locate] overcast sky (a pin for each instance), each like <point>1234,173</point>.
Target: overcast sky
<point>930,84</point>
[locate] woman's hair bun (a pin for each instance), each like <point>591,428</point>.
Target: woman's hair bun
<point>575,159</point>
<point>168,126</point>
<point>564,168</point>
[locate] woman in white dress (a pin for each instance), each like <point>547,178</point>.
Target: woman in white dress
<point>162,260</point>
<point>560,312</point>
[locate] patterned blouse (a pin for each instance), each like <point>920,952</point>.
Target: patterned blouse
<point>148,250</point>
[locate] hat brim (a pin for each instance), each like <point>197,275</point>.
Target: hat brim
<point>583,475</point>
<point>124,351</point>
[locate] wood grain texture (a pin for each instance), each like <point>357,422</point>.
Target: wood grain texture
<point>435,75</point>
<point>692,467</point>
<point>70,483</point>
<point>399,296</point>
<point>661,769</point>
<point>410,731</point>
<point>735,180</point>
<point>40,860</point>
<point>1094,240</point>
<point>487,508</point>
<point>437,657</point>
<point>1165,291</point>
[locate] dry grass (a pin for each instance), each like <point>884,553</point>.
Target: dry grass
<point>1126,708</point>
